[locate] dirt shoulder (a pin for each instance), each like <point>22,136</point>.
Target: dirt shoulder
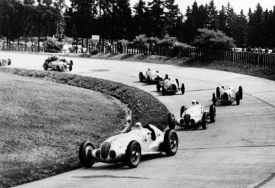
<point>44,122</point>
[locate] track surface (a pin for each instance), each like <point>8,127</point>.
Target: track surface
<point>235,151</point>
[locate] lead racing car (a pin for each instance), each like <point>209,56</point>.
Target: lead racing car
<point>130,147</point>
<point>227,95</point>
<point>55,63</point>
<point>5,62</point>
<point>151,76</point>
<point>170,86</point>
<point>193,117</point>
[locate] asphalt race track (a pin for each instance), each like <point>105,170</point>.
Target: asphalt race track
<point>238,150</point>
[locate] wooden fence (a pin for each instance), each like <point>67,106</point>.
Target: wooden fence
<point>266,60</point>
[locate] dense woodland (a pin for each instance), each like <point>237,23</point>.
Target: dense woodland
<point>115,20</point>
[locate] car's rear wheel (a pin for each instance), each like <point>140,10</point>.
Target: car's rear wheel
<point>45,66</point>
<point>85,154</point>
<point>238,98</point>
<point>178,85</point>
<point>133,154</point>
<point>218,92</point>
<point>214,99</point>
<point>71,62</point>
<point>158,87</point>
<point>163,91</point>
<point>182,88</point>
<point>148,80</point>
<point>212,111</point>
<point>204,121</point>
<point>241,92</point>
<point>171,121</point>
<point>182,109</point>
<point>9,62</point>
<point>140,77</point>
<point>171,142</point>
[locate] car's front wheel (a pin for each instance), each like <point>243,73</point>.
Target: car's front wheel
<point>182,89</point>
<point>204,121</point>
<point>238,98</point>
<point>70,67</point>
<point>163,90</point>
<point>85,154</point>
<point>158,87</point>
<point>214,100</point>
<point>140,77</point>
<point>133,154</point>
<point>212,112</point>
<point>45,66</point>
<point>171,121</point>
<point>171,142</point>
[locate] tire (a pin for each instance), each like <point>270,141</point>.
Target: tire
<point>182,89</point>
<point>9,62</point>
<point>214,99</point>
<point>218,92</point>
<point>212,111</point>
<point>163,91</point>
<point>72,63</point>
<point>70,67</point>
<point>133,154</point>
<point>140,77</point>
<point>171,121</point>
<point>166,76</point>
<point>171,142</point>
<point>158,87</point>
<point>45,66</point>
<point>182,109</point>
<point>178,83</point>
<point>148,80</point>
<point>58,69</point>
<point>204,121</point>
<point>241,92</point>
<point>85,157</point>
<point>238,98</point>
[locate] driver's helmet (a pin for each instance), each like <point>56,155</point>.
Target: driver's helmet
<point>137,126</point>
<point>193,102</point>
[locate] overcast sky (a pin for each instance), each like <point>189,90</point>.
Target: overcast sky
<point>236,4</point>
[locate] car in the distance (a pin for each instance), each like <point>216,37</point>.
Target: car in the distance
<point>130,147</point>
<point>193,117</point>
<point>5,62</point>
<point>58,64</point>
<point>151,76</point>
<point>170,86</point>
<point>227,95</point>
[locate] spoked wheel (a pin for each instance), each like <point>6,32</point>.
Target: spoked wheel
<point>45,66</point>
<point>133,154</point>
<point>182,89</point>
<point>241,92</point>
<point>212,111</point>
<point>70,67</point>
<point>214,99</point>
<point>171,121</point>
<point>238,98</point>
<point>85,154</point>
<point>218,92</point>
<point>171,142</point>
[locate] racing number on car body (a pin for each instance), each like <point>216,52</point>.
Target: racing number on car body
<point>143,137</point>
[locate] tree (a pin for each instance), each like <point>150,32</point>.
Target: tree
<point>210,39</point>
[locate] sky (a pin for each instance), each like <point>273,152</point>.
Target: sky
<point>236,4</point>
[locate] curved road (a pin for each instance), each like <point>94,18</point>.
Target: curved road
<point>235,151</point>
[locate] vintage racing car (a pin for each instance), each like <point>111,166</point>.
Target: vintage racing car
<point>5,62</point>
<point>129,147</point>
<point>193,117</point>
<point>227,95</point>
<point>151,76</point>
<point>55,63</point>
<point>170,86</point>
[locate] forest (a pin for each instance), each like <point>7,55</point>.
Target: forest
<point>115,20</point>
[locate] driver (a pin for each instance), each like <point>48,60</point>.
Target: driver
<point>137,126</point>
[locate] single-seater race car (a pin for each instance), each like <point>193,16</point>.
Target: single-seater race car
<point>227,95</point>
<point>170,86</point>
<point>151,76</point>
<point>55,63</point>
<point>193,117</point>
<point>5,62</point>
<point>129,147</point>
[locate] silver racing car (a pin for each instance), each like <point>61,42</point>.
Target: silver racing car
<point>227,95</point>
<point>170,86</point>
<point>193,117</point>
<point>151,76</point>
<point>5,62</point>
<point>55,63</point>
<point>129,147</point>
